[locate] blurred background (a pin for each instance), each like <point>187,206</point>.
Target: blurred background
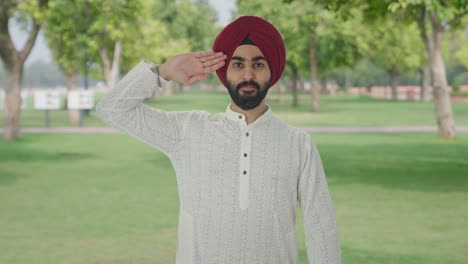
<point>381,85</point>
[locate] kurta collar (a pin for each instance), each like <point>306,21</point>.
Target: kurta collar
<point>239,117</point>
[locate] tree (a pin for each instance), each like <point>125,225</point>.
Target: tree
<point>434,17</point>
<point>65,30</point>
<point>192,20</point>
<point>395,47</point>
<point>110,26</point>
<point>31,12</point>
<point>315,38</point>
<point>442,16</point>
<point>155,40</point>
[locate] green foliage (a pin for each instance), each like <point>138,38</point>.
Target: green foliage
<point>461,78</point>
<point>192,22</point>
<point>454,51</point>
<point>66,33</point>
<point>339,43</point>
<point>397,47</point>
<point>155,30</point>
<point>151,39</point>
<point>73,26</point>
<point>31,9</point>
<point>457,45</point>
<point>447,12</point>
<point>366,73</point>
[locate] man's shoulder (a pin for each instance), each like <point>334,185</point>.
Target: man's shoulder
<point>300,132</point>
<point>190,113</point>
<point>294,129</point>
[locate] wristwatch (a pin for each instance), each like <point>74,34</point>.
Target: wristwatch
<point>155,68</point>
<point>159,77</point>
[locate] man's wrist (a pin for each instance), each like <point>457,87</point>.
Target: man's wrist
<point>163,72</point>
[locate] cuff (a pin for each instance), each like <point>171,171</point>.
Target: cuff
<point>150,65</point>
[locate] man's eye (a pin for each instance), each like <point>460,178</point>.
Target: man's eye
<point>258,65</point>
<point>237,64</point>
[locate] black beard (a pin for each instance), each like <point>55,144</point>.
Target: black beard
<point>247,102</point>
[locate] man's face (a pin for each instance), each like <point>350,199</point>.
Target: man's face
<point>248,77</point>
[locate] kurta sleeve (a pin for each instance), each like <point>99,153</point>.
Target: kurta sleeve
<point>123,108</point>
<point>321,232</point>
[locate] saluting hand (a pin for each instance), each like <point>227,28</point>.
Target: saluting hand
<point>191,67</point>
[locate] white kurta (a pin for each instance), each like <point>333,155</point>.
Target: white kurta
<point>238,184</point>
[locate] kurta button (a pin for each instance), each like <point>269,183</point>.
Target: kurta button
<point>240,117</point>
<point>247,134</point>
<point>245,154</point>
<point>245,172</point>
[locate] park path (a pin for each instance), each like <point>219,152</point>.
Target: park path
<point>318,129</point>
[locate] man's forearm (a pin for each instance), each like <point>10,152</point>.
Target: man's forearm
<point>131,91</point>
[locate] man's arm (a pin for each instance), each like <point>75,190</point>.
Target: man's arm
<point>124,108</point>
<point>321,232</point>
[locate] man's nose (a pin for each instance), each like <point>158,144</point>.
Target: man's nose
<point>248,75</point>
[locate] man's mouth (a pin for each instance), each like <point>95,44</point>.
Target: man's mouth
<point>248,88</point>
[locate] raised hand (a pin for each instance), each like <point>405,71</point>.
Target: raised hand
<point>191,67</point>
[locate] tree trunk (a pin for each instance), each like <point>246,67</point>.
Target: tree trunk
<point>111,71</point>
<point>443,105</point>
<point>314,84</point>
<point>394,79</point>
<point>12,109</point>
<point>72,84</point>
<point>13,61</point>
<point>294,77</point>
<point>425,82</point>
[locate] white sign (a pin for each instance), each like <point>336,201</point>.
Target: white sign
<point>24,99</point>
<point>47,100</point>
<point>82,99</point>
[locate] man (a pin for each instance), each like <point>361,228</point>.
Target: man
<point>239,173</point>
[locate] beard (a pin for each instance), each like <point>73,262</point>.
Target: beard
<point>248,101</point>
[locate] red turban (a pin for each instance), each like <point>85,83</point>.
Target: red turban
<point>261,32</point>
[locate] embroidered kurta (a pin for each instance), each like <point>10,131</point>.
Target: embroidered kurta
<point>238,183</point>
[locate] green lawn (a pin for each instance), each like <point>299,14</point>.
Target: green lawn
<point>344,110</point>
<point>399,198</point>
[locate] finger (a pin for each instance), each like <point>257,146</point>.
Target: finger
<point>197,78</point>
<point>214,67</point>
<point>211,57</point>
<point>214,61</point>
<point>201,54</point>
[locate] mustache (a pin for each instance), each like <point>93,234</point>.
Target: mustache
<point>242,84</point>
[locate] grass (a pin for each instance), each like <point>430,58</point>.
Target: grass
<point>343,110</point>
<point>398,198</point>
